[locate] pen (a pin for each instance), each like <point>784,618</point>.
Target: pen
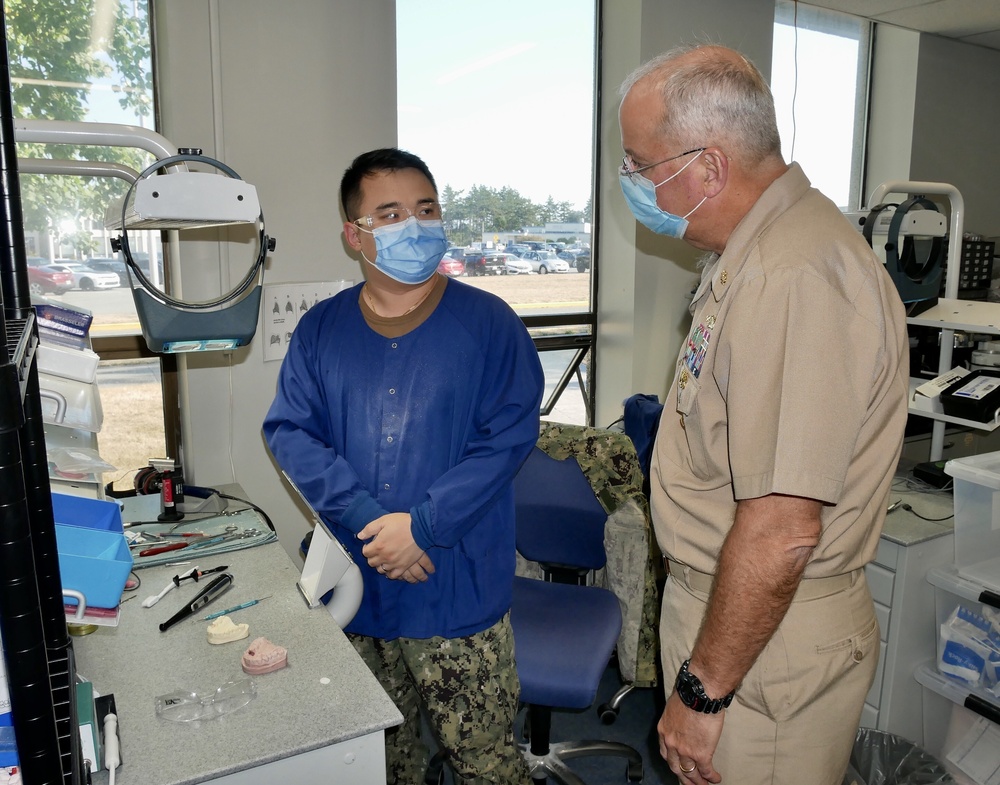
<point>239,607</point>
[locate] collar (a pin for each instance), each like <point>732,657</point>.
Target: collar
<point>395,326</point>
<point>774,202</point>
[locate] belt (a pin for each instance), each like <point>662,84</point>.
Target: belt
<point>809,588</point>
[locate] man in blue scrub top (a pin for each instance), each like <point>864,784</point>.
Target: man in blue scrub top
<point>405,407</point>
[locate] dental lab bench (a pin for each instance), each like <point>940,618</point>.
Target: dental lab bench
<point>320,719</point>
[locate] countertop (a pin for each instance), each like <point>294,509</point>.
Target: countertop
<point>905,527</point>
<point>325,695</point>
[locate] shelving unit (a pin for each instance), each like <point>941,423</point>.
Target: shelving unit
<point>951,706</point>
<point>38,651</point>
<point>949,313</point>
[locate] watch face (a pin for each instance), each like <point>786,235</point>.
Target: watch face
<point>687,692</point>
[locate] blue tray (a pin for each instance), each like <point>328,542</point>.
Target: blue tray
<point>94,557</point>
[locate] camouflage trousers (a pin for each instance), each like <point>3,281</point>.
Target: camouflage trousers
<point>469,689</point>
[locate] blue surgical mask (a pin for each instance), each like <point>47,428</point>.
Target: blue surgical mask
<point>409,252</point>
<point>640,195</point>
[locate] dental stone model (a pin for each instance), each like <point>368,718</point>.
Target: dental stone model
<point>223,630</point>
<point>264,657</point>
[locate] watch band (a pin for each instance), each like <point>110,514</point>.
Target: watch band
<point>692,693</point>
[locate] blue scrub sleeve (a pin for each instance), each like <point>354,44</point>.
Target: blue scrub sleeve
<point>296,431</point>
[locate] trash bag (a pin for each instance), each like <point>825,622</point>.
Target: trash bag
<point>879,758</point>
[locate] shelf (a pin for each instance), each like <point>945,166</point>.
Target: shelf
<point>936,413</point>
<point>976,316</point>
<point>949,579</point>
<point>973,697</point>
<point>21,347</point>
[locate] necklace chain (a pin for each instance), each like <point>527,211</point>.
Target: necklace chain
<point>407,312</point>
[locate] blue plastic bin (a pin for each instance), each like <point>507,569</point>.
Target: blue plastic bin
<point>94,557</point>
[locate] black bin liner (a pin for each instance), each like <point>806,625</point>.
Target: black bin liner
<point>879,758</point>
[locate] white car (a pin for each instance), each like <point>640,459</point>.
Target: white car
<point>87,279</point>
<point>543,262</point>
<point>512,265</point>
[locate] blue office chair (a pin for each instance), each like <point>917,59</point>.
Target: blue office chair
<point>564,630</point>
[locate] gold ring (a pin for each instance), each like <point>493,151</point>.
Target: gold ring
<point>688,771</point>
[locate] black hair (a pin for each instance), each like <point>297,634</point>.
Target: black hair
<point>386,159</point>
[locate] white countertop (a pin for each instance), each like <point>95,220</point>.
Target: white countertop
<point>325,695</point>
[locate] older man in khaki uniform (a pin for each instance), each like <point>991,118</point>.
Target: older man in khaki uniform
<point>778,439</point>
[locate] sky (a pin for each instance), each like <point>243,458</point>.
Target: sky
<point>499,99</point>
<point>507,99</point>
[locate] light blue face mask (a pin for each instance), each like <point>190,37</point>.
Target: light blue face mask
<point>640,195</point>
<point>409,252</point>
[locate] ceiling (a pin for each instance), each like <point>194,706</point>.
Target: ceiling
<point>972,21</point>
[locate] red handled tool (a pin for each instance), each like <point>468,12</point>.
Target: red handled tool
<point>176,546</point>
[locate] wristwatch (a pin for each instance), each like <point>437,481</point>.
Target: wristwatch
<point>692,693</point>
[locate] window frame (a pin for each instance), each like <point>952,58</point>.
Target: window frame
<point>799,16</point>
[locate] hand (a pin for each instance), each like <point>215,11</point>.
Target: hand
<point>391,549</point>
<point>688,740</point>
<point>420,571</point>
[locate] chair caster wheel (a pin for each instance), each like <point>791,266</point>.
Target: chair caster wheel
<point>633,772</point>
<point>607,713</point>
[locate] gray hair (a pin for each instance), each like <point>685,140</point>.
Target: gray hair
<point>712,96</point>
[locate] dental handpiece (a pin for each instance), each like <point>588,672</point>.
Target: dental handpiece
<point>210,593</point>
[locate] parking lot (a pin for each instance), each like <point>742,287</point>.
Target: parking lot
<point>564,290</point>
<point>527,294</point>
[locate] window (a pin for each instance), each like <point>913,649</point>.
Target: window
<point>90,61</point>
<point>819,77</point>
<point>501,106</point>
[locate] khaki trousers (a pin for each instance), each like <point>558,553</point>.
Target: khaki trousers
<point>794,718</point>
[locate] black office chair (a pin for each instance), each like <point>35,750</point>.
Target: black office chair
<point>564,632</point>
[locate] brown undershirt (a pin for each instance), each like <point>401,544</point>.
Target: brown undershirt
<point>395,326</point>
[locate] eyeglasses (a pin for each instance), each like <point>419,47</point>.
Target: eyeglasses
<point>628,165</point>
<point>394,214</point>
<point>192,706</point>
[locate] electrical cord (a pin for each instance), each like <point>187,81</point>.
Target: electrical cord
<point>251,505</point>
<point>138,581</point>
<point>909,509</point>
<point>112,757</point>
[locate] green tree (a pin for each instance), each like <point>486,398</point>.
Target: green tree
<point>57,50</point>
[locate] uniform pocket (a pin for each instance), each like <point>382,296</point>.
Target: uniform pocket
<point>821,646</point>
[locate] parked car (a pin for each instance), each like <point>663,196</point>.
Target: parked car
<point>141,259</point>
<point>110,266</point>
<point>478,263</point>
<point>451,266</point>
<point>582,262</point>
<point>543,262</point>
<point>45,280</point>
<point>515,265</point>
<point>86,278</point>
<point>517,249</point>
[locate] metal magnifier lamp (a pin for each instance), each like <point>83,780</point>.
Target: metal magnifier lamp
<point>182,199</point>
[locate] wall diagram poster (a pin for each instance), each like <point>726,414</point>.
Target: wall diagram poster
<point>284,304</point>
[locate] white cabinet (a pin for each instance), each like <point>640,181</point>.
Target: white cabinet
<point>904,604</point>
